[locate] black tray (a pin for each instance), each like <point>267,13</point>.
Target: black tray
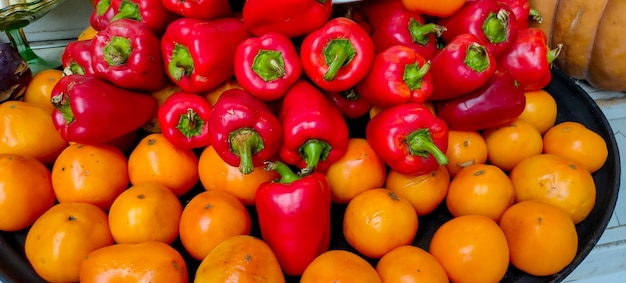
<point>574,104</point>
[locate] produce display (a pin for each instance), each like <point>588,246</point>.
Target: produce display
<point>302,141</point>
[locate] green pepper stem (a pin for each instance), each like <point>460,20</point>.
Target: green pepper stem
<point>76,68</point>
<point>102,6</point>
<point>312,151</point>
<point>181,63</point>
<point>495,26</point>
<point>413,75</point>
<point>477,58</point>
<point>127,10</point>
<point>420,143</point>
<point>61,102</point>
<point>287,176</point>
<point>189,124</point>
<point>420,33</point>
<point>535,15</point>
<point>337,53</point>
<point>117,51</point>
<point>245,142</point>
<point>554,53</point>
<point>269,65</point>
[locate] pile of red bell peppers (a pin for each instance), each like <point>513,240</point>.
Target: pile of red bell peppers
<point>305,70</point>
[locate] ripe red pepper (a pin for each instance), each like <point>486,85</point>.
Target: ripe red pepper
<point>492,22</point>
<point>399,75</point>
<point>408,29</point>
<point>101,15</point>
<point>378,11</point>
<point>127,53</point>
<point>292,18</point>
<point>91,110</point>
<point>409,138</point>
<point>200,9</point>
<point>349,102</point>
<point>337,55</point>
<point>184,120</point>
<point>496,103</point>
<point>76,57</point>
<point>199,55</point>
<point>463,65</point>
<point>523,12</point>
<point>266,66</point>
<point>294,217</point>
<point>150,12</point>
<point>314,132</point>
<point>244,131</point>
<point>530,59</point>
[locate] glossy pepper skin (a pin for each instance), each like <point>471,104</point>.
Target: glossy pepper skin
<point>244,131</point>
<point>102,14</point>
<point>492,22</point>
<point>200,9</point>
<point>463,65</point>
<point>398,75</point>
<point>409,138</point>
<point>184,120</point>
<point>349,102</point>
<point>523,12</point>
<point>267,65</point>
<point>374,13</point>
<point>337,55</point>
<point>530,59</point>
<point>496,103</point>
<point>408,29</point>
<point>91,110</point>
<point>315,133</point>
<point>294,217</point>
<point>150,12</point>
<point>199,55</point>
<point>76,57</point>
<point>127,53</point>
<point>292,18</point>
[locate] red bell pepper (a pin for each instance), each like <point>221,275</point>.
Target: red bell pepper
<point>378,11</point>
<point>408,29</point>
<point>199,55</point>
<point>200,9</point>
<point>76,57</point>
<point>91,110</point>
<point>266,66</point>
<point>349,102</point>
<point>244,131</point>
<point>315,133</point>
<point>127,53</point>
<point>409,138</point>
<point>399,75</point>
<point>101,15</point>
<point>492,22</point>
<point>292,18</point>
<point>294,217</point>
<point>496,103</point>
<point>463,65</point>
<point>523,12</point>
<point>530,59</point>
<point>184,120</point>
<point>150,12</point>
<point>337,55</point>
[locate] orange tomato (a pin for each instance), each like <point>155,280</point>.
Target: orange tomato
<point>339,266</point>
<point>542,238</point>
<point>555,180</point>
<point>26,191</point>
<point>242,259</point>
<point>465,148</point>
<point>60,239</point>
<point>425,192</point>
<point>410,264</point>
<point>209,218</point>
<point>575,141</point>
<point>540,110</point>
<point>471,248</point>
<point>377,221</point>
<point>40,87</point>
<point>217,175</point>
<point>511,143</point>
<point>443,8</point>
<point>154,262</point>
<point>359,169</point>
<point>95,174</point>
<point>155,159</point>
<point>28,130</point>
<point>153,126</point>
<point>145,212</point>
<point>482,189</point>
<point>88,33</point>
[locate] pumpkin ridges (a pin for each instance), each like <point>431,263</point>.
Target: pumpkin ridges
<point>605,70</point>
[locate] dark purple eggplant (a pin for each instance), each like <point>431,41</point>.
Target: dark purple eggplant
<point>15,74</point>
